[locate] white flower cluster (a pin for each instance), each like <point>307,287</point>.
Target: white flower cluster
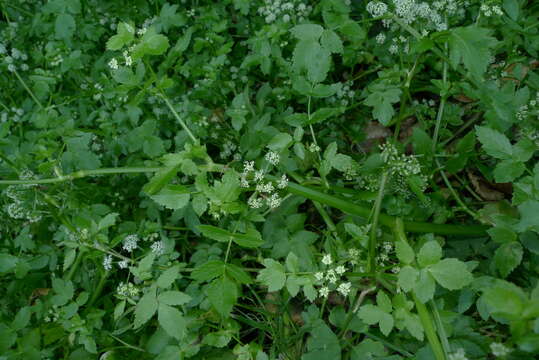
<point>460,354</point>
<point>127,60</point>
<point>330,279</point>
<point>266,189</point>
<point>158,248</point>
<point>24,205</point>
<point>531,108</point>
<point>499,350</point>
<point>52,315</point>
<point>489,10</point>
<point>228,148</point>
<point>14,114</point>
<point>130,243</point>
<point>384,252</point>
<point>17,59</point>
<point>128,290</point>
<point>399,164</point>
<point>376,8</point>
<point>285,11</point>
<point>344,94</point>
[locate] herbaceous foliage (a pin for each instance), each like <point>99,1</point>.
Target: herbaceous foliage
<point>271,179</point>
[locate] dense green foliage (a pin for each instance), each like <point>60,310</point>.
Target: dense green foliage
<point>271,179</point>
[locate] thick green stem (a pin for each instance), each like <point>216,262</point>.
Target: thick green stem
<point>386,220</point>
<point>428,326</point>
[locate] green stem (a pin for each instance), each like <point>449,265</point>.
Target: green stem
<point>455,195</point>
<point>428,326</point>
<point>75,265</point>
<point>327,219</point>
<point>354,309</point>
<point>182,123</point>
<point>374,223</point>
<point>386,220</point>
<point>440,328</point>
<point>28,89</point>
<point>97,291</point>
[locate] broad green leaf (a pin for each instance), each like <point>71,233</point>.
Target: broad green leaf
<point>307,31</point>
<point>238,274</point>
<point>422,142</point>
<point>280,142</point>
<point>7,262</point>
<point>381,99</point>
<point>108,221</point>
<point>168,277</point>
<point>172,197</point>
<point>430,253</point>
<point>331,41</point>
<point>322,345</point>
<point>173,297</point>
<point>508,170</point>
<point>146,308</point>
<point>273,276</point>
<point>528,216</point>
<point>218,339</point>
<point>250,239</point>
<point>502,235</point>
<point>371,315</point>
<point>407,278</point>
<point>383,301</point>
<point>223,294</point>
<point>425,286</point>
<point>125,35</point>
<point>471,45</point>
<point>452,274</point>
<point>405,253</point>
<point>494,142</point>
<point>63,290</point>
<point>323,114</point>
<point>172,321</point>
<point>504,302</point>
<point>65,26</point>
<point>507,257</point>
<point>209,270</point>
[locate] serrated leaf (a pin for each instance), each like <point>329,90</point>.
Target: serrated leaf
<point>404,252</point>
<point>331,41</point>
<point>145,308</point>
<point>508,170</point>
<point>371,314</point>
<point>323,114</point>
<point>172,321</point>
<point>173,298</point>
<point>425,286</point>
<point>238,274</point>
<point>307,31</point>
<point>223,293</point>
<point>507,257</point>
<point>273,276</point>
<point>172,197</point>
<point>430,253</point>
<point>280,142</point>
<point>65,26</point>
<point>452,274</point>
<point>209,270</point>
<point>494,142</point>
<point>168,277</point>
<point>471,45</point>
<point>407,278</point>
<point>381,99</point>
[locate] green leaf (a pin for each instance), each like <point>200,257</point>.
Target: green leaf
<point>507,257</point>
<point>7,263</point>
<point>407,278</point>
<point>523,150</point>
<point>280,142</point>
<point>494,142</point>
<point>331,41</point>
<point>528,216</point>
<point>508,170</point>
<point>172,197</point>
<point>323,114</point>
<point>371,315</point>
<point>273,276</point>
<point>307,31</point>
<point>145,308</point>
<point>65,26</point>
<point>502,235</point>
<point>430,253</point>
<point>425,286</point>
<point>471,45</point>
<point>323,344</point>
<point>209,270</point>
<point>422,142</point>
<point>168,277</point>
<point>125,35</point>
<point>172,321</point>
<point>64,291</point>
<point>383,301</point>
<point>173,298</point>
<point>452,274</point>
<point>251,239</point>
<point>223,294</point>
<point>405,253</point>
<point>238,274</point>
<point>381,99</point>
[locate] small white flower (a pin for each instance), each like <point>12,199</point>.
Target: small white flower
<point>340,269</point>
<point>353,252</point>
<point>499,349</point>
<point>345,288</point>
<point>323,292</point>
<point>326,259</point>
<point>283,182</point>
<point>248,166</point>
<point>380,38</point>
<point>158,248</point>
<point>393,49</point>
<point>460,354</point>
<point>107,262</point>
<point>259,175</point>
<point>272,158</point>
<point>274,201</point>
<point>331,276</point>
<point>130,243</point>
<point>243,181</point>
<point>319,276</point>
<point>113,64</point>
<point>254,202</point>
<point>123,264</point>
<point>376,8</point>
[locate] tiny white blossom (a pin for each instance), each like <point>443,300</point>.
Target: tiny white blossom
<point>123,264</point>
<point>460,354</point>
<point>499,349</point>
<point>380,38</point>
<point>283,182</point>
<point>272,158</point>
<point>340,269</point>
<point>274,201</point>
<point>113,64</point>
<point>248,166</point>
<point>345,288</point>
<point>319,276</point>
<point>376,8</point>
<point>254,202</point>
<point>259,175</point>
<point>326,259</point>
<point>107,262</point>
<point>130,243</point>
<point>158,248</point>
<point>323,292</point>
